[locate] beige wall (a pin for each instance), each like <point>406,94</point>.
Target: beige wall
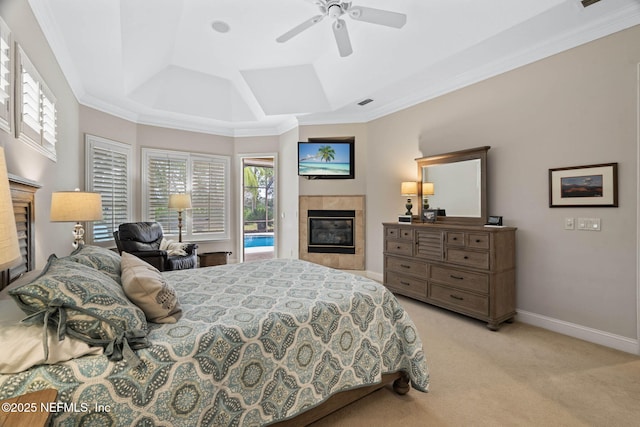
<point>575,108</point>
<point>65,174</point>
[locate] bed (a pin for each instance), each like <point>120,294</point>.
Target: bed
<point>261,343</point>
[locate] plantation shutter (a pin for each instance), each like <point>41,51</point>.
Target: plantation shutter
<point>30,105</point>
<point>166,173</point>
<point>5,76</point>
<point>208,195</point>
<point>36,114</point>
<point>48,120</point>
<point>108,170</point>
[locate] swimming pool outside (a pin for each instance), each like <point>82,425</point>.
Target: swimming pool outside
<point>258,240</point>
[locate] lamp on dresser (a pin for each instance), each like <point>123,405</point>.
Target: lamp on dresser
<point>76,206</point>
<point>409,189</point>
<point>428,189</point>
<point>180,202</point>
<point>9,249</point>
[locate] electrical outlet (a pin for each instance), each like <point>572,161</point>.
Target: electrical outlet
<point>569,224</point>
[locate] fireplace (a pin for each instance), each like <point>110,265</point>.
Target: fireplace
<point>331,231</point>
<point>338,224</point>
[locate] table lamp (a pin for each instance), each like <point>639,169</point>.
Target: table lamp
<point>76,206</point>
<point>409,189</point>
<point>10,255</point>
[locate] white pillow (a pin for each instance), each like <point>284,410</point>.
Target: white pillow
<point>147,288</point>
<point>21,344</point>
<point>172,248</point>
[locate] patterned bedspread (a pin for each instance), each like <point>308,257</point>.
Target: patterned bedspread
<point>259,342</point>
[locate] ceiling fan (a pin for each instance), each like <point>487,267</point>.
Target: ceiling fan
<point>334,9</point>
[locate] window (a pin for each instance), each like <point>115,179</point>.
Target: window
<point>206,177</point>
<point>5,77</point>
<point>108,166</point>
<point>36,108</point>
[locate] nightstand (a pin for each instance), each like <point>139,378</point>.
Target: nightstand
<point>25,410</point>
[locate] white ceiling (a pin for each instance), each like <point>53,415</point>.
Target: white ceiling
<point>160,62</point>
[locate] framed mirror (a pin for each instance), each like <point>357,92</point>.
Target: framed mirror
<point>455,186</point>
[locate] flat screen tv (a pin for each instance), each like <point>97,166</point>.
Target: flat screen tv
<point>326,159</point>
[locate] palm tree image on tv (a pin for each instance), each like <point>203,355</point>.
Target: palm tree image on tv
<point>327,153</point>
<point>324,159</point>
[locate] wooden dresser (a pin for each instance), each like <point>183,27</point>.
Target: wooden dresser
<point>464,268</point>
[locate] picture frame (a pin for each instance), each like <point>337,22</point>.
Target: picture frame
<point>429,215</point>
<point>584,186</point>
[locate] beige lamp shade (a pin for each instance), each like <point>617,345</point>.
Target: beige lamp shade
<point>75,206</point>
<point>428,189</point>
<point>180,201</point>
<point>9,248</point>
<point>409,188</point>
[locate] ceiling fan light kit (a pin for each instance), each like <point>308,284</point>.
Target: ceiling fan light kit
<point>335,9</point>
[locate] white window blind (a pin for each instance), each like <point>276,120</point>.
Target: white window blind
<point>208,195</point>
<point>36,116</point>
<point>205,177</point>
<point>109,166</point>
<point>5,77</point>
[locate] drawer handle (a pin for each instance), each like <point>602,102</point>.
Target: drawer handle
<point>466,257</point>
<point>457,297</point>
<point>405,266</point>
<point>478,240</point>
<point>456,277</point>
<point>455,238</point>
<point>405,283</point>
<point>398,247</point>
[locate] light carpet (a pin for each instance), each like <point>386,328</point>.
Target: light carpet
<point>519,376</point>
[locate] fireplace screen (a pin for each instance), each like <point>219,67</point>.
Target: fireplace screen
<point>331,232</point>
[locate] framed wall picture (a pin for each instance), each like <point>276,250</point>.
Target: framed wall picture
<point>584,186</point>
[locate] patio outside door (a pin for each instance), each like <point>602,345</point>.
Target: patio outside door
<point>258,212</point>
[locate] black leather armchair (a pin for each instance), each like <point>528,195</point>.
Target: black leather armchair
<point>143,239</point>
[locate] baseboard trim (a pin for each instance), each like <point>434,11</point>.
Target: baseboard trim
<point>595,336</point>
<point>378,277</point>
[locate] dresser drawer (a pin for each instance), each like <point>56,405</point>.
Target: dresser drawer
<point>468,258</point>
<point>391,232</point>
<point>461,279</point>
<point>465,301</point>
<point>400,247</point>
<point>455,238</point>
<point>406,233</point>
<point>400,265</point>
<point>405,285</point>
<point>477,240</point>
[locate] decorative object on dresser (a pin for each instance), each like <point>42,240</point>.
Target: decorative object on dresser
<point>463,268</point>
<point>461,180</point>
<point>428,189</point>
<point>76,206</point>
<point>409,189</point>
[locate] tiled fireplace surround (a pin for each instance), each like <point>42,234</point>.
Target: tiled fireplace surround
<point>341,261</point>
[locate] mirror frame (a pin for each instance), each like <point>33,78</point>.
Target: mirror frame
<point>459,156</point>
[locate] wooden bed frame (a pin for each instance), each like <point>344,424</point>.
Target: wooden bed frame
<point>23,194</point>
<point>23,198</point>
<point>340,400</point>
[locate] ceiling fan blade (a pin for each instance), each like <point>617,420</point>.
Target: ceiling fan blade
<point>342,37</point>
<point>300,28</point>
<point>378,16</point>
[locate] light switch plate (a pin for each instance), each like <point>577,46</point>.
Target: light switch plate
<point>569,224</point>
